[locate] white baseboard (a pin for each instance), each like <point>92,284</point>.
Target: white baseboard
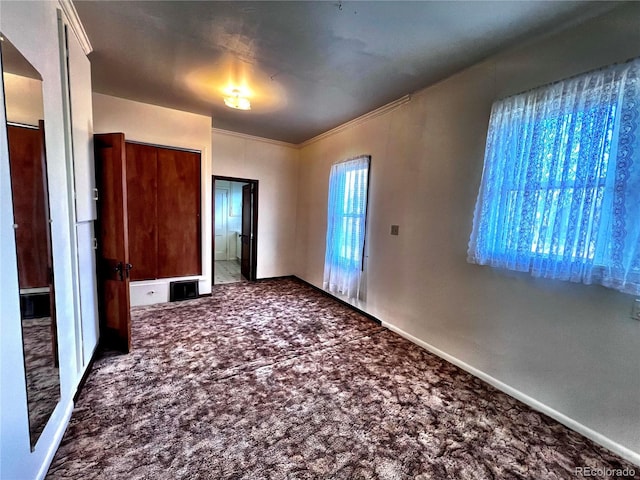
<point>57,438</point>
<point>598,438</point>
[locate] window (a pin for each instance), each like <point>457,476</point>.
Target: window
<point>560,190</point>
<point>346,226</point>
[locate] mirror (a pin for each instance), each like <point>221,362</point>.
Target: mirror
<point>28,166</point>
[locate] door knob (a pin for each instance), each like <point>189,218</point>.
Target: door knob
<point>119,270</point>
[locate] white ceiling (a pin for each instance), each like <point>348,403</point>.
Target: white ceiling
<point>309,66</point>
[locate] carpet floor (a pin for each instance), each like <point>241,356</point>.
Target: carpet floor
<point>274,380</point>
<point>43,378</point>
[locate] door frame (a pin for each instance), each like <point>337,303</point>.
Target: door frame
<point>254,223</point>
<point>213,218</point>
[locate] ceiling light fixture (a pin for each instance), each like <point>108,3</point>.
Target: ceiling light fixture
<point>235,100</point>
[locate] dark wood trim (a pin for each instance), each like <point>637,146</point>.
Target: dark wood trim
<point>234,179</point>
<point>339,300</point>
<point>213,231</point>
<point>168,147</point>
<point>366,215</point>
<point>254,245</point>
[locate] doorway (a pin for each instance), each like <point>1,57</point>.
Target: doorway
<point>235,227</point>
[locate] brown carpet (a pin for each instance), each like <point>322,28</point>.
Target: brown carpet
<point>274,380</point>
<point>43,378</point>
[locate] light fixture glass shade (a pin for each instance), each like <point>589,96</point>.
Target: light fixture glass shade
<point>236,101</point>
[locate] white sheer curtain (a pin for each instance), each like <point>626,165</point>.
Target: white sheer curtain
<point>346,226</point>
<point>560,191</point>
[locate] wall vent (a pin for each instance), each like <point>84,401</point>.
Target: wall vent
<point>35,305</point>
<point>184,290</point>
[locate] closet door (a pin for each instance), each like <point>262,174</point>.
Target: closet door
<point>142,184</point>
<point>178,204</point>
<point>26,158</point>
<point>113,242</point>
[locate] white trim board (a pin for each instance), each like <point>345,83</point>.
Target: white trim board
<point>362,118</point>
<point>356,121</point>
<point>73,18</point>
<point>598,438</point>
<point>61,428</point>
<point>246,136</point>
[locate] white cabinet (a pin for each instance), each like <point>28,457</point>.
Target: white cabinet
<point>78,120</point>
<point>79,78</point>
<point>88,290</point>
<point>149,293</point>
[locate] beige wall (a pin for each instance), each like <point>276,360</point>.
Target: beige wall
<point>275,166</point>
<point>23,99</point>
<point>569,349</point>
<point>146,123</point>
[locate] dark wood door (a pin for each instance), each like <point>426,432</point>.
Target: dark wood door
<point>142,184</point>
<point>247,232</point>
<point>178,208</point>
<point>112,236</point>
<point>26,158</point>
<point>28,163</point>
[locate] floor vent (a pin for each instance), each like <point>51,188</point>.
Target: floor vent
<point>185,290</point>
<point>35,305</point>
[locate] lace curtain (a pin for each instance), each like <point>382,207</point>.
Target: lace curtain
<point>346,225</point>
<point>560,190</point>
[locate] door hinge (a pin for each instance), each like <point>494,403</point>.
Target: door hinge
<point>95,194</point>
<point>95,243</point>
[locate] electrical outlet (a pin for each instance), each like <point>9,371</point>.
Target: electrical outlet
<point>395,229</point>
<point>635,310</point>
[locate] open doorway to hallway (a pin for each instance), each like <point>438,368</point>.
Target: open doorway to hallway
<point>235,222</point>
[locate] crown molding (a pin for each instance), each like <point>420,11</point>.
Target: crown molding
<point>246,136</point>
<point>71,15</point>
<point>351,123</point>
<point>356,121</point>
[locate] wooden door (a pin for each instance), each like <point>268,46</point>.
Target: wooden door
<point>247,232</point>
<point>221,217</point>
<point>179,239</point>
<point>28,163</point>
<point>112,235</point>
<point>142,184</point>
<point>26,159</point>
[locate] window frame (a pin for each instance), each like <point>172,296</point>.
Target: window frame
<point>349,215</point>
<point>542,191</point>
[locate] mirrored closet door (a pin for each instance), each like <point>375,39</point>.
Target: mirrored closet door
<point>28,168</point>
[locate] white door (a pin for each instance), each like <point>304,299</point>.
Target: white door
<point>221,218</point>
